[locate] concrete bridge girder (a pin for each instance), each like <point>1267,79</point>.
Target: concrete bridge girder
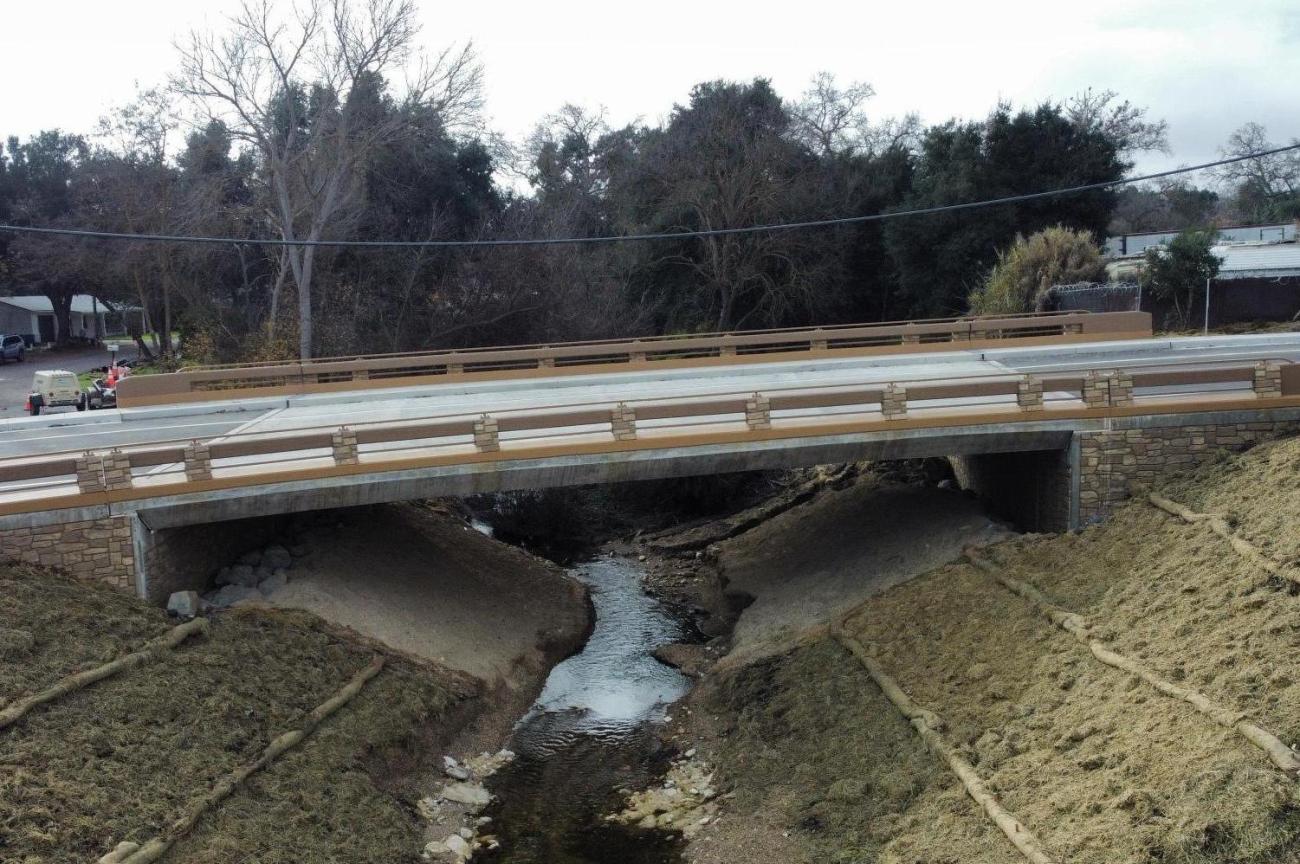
<point>1044,475</point>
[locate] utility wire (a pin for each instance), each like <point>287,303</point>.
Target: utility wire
<point>624,238</point>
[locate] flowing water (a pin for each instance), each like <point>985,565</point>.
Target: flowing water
<point>590,735</point>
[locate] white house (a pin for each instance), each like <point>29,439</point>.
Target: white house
<point>32,317</point>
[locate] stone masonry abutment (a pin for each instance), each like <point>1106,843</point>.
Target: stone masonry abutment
<point>1060,490</point>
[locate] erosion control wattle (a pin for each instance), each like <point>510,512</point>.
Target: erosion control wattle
<point>930,726</point>
<point>1281,755</point>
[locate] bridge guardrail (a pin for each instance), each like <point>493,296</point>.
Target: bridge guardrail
<point>238,381</point>
<point>57,480</point>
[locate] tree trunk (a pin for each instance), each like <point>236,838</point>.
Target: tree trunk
<point>304,305</point>
<point>283,269</point>
<point>165,346</point>
<point>62,303</point>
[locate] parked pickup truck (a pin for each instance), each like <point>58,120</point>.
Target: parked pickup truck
<point>55,388</point>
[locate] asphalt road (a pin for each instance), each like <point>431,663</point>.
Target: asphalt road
<point>16,378</point>
<point>212,420</point>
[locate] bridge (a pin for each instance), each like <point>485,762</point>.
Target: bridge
<point>1050,416</point>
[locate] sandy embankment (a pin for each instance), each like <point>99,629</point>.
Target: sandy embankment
<point>423,582</point>
<point>815,562</point>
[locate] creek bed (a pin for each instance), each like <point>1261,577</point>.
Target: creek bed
<point>591,735</point>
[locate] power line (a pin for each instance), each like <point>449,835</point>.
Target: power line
<point>625,238</point>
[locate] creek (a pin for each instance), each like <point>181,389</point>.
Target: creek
<point>591,736</point>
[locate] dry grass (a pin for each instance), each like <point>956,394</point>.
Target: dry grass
<point>118,760</point>
<point>1103,768</point>
<point>815,741</point>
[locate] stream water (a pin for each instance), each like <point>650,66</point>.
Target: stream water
<point>590,735</point>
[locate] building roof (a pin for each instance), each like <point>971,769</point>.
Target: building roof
<point>81,303</point>
<point>1138,242</point>
<point>1250,261</point>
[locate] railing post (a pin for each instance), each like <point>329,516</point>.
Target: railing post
<point>360,374</point>
<point>117,470</point>
<point>1121,388</point>
<point>1096,390</point>
<point>455,369</point>
<point>636,355</point>
<point>90,473</point>
<point>893,402</point>
<point>1267,382</point>
<point>818,341</point>
<point>545,362</point>
<point>622,421</point>
<point>486,437</point>
<point>344,444</point>
<point>198,462</point>
<point>758,412</point>
<point>1029,393</point>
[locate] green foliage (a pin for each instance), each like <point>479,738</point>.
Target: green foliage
<point>1180,272</point>
<point>1019,282</point>
<point>941,258</point>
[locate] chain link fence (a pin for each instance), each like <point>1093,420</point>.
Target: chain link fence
<point>1096,296</point>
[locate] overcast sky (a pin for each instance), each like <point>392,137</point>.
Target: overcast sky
<point>1206,67</point>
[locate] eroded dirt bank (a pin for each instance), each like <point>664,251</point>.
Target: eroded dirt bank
<point>468,626</point>
<point>816,764</point>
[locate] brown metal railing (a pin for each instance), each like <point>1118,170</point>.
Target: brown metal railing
<point>238,381</point>
<point>51,481</point>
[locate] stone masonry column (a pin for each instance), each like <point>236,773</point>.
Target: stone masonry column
<point>758,412</point>
<point>486,437</point>
<point>1267,382</point>
<point>622,421</point>
<point>198,462</point>
<point>1029,393</point>
<point>893,402</point>
<point>343,443</point>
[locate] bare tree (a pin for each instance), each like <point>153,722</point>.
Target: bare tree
<point>829,120</point>
<point>1272,176</point>
<point>1121,121</point>
<point>304,92</point>
<point>137,189</point>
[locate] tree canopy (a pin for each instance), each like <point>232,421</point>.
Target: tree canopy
<point>303,123</point>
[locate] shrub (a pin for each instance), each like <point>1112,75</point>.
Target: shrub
<point>1019,282</point>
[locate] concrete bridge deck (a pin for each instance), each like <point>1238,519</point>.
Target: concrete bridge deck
<point>685,421</point>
